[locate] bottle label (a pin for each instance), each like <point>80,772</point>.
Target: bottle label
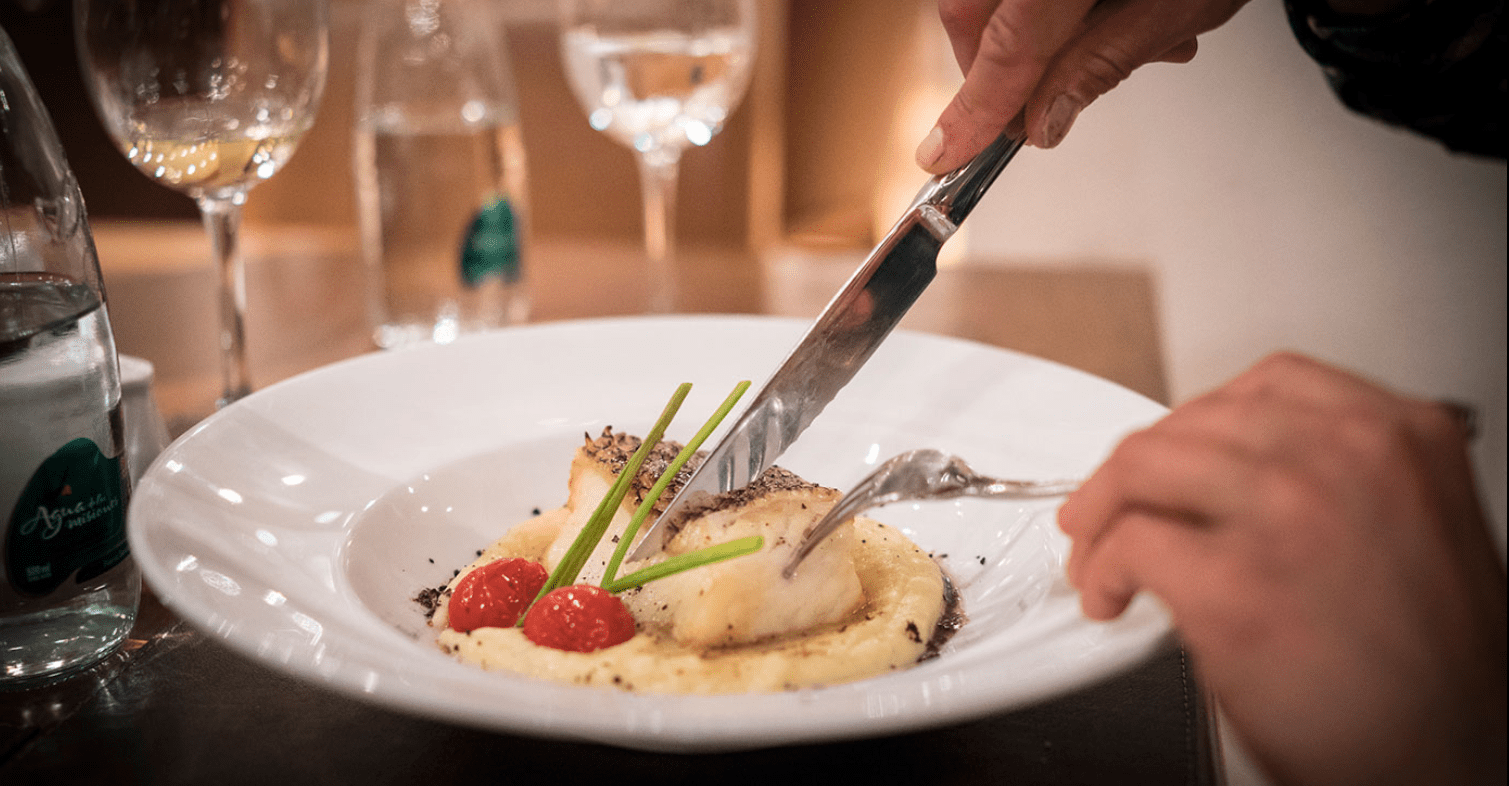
<point>70,518</point>
<point>491,245</point>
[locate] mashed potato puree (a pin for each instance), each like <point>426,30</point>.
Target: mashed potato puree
<point>904,602</point>
<point>865,601</point>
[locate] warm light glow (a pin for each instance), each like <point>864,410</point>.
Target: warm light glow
<point>934,79</point>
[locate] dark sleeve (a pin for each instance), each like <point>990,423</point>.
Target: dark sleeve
<point>1436,66</point>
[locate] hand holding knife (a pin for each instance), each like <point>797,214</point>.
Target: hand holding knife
<point>848,331</point>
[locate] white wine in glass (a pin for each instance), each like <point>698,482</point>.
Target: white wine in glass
<point>658,76</point>
<point>207,97</point>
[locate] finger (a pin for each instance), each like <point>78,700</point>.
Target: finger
<point>1017,43</point>
<point>1297,378</point>
<point>1142,551</point>
<point>1118,39</point>
<point>1296,381</point>
<point>1288,405</point>
<point>1182,52</point>
<point>964,21</point>
<point>1258,424</point>
<point>1185,476</point>
<point>1221,609</point>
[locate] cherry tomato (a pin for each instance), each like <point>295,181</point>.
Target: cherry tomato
<point>579,618</point>
<point>496,594</point>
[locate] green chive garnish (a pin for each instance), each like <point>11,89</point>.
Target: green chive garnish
<point>566,570</point>
<point>571,564</point>
<point>682,562</point>
<point>665,480</point>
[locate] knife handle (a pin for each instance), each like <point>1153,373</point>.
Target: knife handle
<point>956,193</point>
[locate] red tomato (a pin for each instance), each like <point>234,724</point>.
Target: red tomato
<point>579,618</point>
<point>496,594</point>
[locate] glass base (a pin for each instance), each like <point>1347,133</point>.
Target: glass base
<point>396,335</point>
<point>445,327</point>
<point>51,645</point>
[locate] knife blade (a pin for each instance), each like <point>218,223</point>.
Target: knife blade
<point>849,329</point>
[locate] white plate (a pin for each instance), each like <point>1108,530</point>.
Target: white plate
<point>298,524</point>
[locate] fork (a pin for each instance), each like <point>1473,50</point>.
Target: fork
<point>923,474</point>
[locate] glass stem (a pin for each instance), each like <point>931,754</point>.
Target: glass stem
<point>658,171</point>
<point>222,220</point>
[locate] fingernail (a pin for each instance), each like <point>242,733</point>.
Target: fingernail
<point>931,148</point>
<point>1058,119</point>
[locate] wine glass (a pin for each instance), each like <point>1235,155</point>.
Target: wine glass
<point>207,97</point>
<point>658,75</point>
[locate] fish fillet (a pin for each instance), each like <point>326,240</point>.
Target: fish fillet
<point>737,601</point>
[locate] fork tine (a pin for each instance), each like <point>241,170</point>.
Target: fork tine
<point>896,478</point>
<point>850,506</point>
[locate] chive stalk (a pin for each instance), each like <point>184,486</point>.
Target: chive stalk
<point>665,479</point>
<point>592,532</point>
<point>681,562</point>
<point>566,570</point>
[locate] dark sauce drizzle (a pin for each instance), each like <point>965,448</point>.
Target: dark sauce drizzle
<point>952,619</point>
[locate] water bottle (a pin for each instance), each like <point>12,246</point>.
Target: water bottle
<point>68,586</point>
<point>439,170</point>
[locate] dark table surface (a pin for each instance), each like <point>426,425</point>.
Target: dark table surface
<point>177,707</point>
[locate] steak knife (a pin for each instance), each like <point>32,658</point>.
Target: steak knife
<point>843,337</point>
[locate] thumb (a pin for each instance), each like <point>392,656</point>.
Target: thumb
<point>1016,47</point>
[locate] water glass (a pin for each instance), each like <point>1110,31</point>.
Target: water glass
<point>440,175</point>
